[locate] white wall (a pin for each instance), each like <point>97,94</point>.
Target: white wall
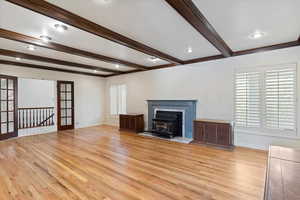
<point>37,93</point>
<point>89,92</point>
<point>211,83</point>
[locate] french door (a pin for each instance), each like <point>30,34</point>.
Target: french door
<point>9,107</point>
<point>65,105</point>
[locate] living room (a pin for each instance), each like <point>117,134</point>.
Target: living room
<point>166,99</point>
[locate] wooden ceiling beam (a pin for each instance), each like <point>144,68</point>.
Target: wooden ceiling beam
<point>20,64</point>
<point>218,57</point>
<point>58,47</point>
<point>204,59</point>
<point>62,15</point>
<point>162,66</point>
<point>267,48</point>
<point>15,54</point>
<point>189,11</point>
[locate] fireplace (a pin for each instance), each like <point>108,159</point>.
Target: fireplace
<point>167,123</point>
<point>187,108</point>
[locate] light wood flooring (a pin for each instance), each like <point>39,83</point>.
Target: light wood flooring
<point>100,163</point>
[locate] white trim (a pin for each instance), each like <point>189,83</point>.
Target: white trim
<point>264,67</point>
<point>262,131</point>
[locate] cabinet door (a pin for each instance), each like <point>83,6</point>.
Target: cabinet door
<point>140,124</point>
<point>127,122</point>
<point>122,121</point>
<point>223,134</point>
<point>199,131</point>
<point>131,121</point>
<point>211,133</point>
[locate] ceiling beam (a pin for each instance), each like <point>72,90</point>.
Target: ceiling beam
<point>162,66</point>
<point>267,48</point>
<point>218,57</point>
<point>58,47</point>
<point>15,54</point>
<point>204,59</point>
<point>20,64</point>
<point>62,15</point>
<point>126,72</point>
<point>189,11</point>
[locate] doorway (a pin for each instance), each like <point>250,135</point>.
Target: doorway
<point>65,105</point>
<point>8,108</point>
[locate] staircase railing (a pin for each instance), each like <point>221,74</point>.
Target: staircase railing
<point>35,117</point>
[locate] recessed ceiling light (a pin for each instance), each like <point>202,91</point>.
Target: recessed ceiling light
<point>60,27</point>
<point>190,50</point>
<point>257,35</point>
<point>117,66</point>
<point>45,38</point>
<point>17,58</point>
<point>102,1</point>
<point>31,48</point>
<point>154,59</point>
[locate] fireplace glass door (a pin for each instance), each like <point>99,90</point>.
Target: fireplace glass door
<point>167,123</point>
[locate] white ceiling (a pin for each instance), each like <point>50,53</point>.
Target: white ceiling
<point>234,20</point>
<point>33,24</point>
<point>152,22</point>
<point>156,24</point>
<point>44,52</point>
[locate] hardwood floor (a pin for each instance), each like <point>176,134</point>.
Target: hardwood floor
<point>99,163</point>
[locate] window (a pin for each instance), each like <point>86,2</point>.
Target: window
<point>265,98</point>
<point>247,99</point>
<point>118,99</point>
<point>280,99</point>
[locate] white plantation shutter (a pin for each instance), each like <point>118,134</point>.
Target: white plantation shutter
<point>266,99</point>
<point>113,100</point>
<point>280,98</point>
<point>122,99</point>
<point>118,99</point>
<point>247,99</point>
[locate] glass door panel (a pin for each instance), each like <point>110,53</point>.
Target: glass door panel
<point>8,107</point>
<point>65,95</point>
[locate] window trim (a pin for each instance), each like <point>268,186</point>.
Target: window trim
<point>263,131</point>
<point>117,100</point>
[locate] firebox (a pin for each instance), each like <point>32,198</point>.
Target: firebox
<point>167,124</point>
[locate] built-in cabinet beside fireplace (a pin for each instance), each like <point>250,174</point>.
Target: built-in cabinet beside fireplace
<point>131,122</point>
<point>214,132</point>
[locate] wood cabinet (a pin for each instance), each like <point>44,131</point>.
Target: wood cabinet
<point>283,174</point>
<point>132,122</point>
<point>214,132</point>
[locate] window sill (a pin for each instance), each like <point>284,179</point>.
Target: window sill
<point>263,133</point>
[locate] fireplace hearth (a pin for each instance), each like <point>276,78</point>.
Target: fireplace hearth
<point>167,124</point>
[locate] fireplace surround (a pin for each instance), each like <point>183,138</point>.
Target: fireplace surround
<point>186,107</point>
